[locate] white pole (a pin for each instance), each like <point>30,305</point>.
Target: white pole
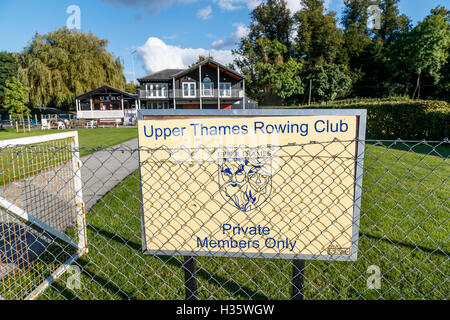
<point>92,110</point>
<point>123,110</point>
<point>218,87</point>
<point>200,80</point>
<point>174,92</point>
<point>243,99</point>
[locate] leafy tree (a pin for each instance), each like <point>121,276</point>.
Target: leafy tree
<point>318,40</point>
<point>329,82</point>
<point>267,45</point>
<point>424,50</point>
<point>356,33</point>
<point>286,80</point>
<point>62,64</point>
<point>245,59</point>
<point>201,58</point>
<point>392,23</point>
<point>15,98</point>
<point>272,20</point>
<point>368,52</point>
<point>355,16</point>
<point>8,69</point>
<point>131,87</point>
<point>271,79</point>
<point>356,60</point>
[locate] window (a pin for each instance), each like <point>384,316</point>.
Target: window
<point>160,105</point>
<point>225,89</point>
<point>157,90</point>
<point>208,87</point>
<point>189,89</point>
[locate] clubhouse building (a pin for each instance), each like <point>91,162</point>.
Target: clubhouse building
<point>206,85</point>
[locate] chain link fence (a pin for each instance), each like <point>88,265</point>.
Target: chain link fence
<point>402,250</point>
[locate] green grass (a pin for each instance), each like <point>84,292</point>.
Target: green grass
<point>90,138</point>
<point>33,160</point>
<point>404,230</point>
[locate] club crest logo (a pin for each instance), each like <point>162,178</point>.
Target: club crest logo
<point>245,180</point>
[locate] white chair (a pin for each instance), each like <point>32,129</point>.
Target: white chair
<point>90,124</point>
<point>45,124</point>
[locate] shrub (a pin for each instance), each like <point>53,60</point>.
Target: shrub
<point>414,120</point>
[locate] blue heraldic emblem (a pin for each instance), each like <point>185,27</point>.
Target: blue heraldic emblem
<point>245,182</point>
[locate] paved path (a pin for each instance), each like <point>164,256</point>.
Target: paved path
<point>100,172</point>
<point>103,170</point>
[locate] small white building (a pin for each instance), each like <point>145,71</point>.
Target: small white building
<point>107,103</point>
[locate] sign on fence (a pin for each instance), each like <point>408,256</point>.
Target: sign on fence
<point>252,183</point>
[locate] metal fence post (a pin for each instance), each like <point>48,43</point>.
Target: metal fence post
<point>190,282</point>
<point>298,279</point>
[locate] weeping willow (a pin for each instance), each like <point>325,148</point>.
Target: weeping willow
<point>62,64</point>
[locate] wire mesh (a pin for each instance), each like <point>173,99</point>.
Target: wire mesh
<point>38,213</point>
<point>403,240</point>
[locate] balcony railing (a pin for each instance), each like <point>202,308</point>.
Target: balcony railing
<point>192,94</point>
<point>100,114</point>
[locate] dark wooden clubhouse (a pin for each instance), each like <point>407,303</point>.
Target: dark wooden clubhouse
<point>206,85</point>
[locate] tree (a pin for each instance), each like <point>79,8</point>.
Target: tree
<point>271,80</point>
<point>356,39</point>
<point>425,49</point>
<point>15,98</point>
<point>355,16</point>
<point>392,23</point>
<point>367,52</point>
<point>329,81</point>
<point>267,44</point>
<point>286,80</point>
<point>356,33</point>
<point>8,69</point>
<point>62,64</point>
<point>272,20</point>
<point>131,87</point>
<point>318,40</point>
<point>201,59</point>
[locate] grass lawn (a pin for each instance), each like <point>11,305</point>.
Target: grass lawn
<point>404,231</point>
<point>90,138</point>
<point>32,161</point>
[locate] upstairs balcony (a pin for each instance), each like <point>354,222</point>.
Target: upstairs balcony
<point>192,94</point>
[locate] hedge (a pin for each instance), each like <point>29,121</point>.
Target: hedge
<point>408,120</point>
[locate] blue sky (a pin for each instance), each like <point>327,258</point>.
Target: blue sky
<point>164,33</point>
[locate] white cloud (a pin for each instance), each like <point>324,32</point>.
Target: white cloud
<point>204,13</point>
<point>231,5</point>
<point>149,6</point>
<point>157,55</point>
<point>293,5</point>
<point>241,31</point>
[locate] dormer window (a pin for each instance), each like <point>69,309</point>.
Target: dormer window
<point>208,87</point>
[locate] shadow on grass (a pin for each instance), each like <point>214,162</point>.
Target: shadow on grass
<point>405,245</point>
<point>232,287</point>
<point>65,293</point>
<point>104,283</point>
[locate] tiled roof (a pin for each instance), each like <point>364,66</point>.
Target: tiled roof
<point>169,74</point>
<point>165,74</point>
